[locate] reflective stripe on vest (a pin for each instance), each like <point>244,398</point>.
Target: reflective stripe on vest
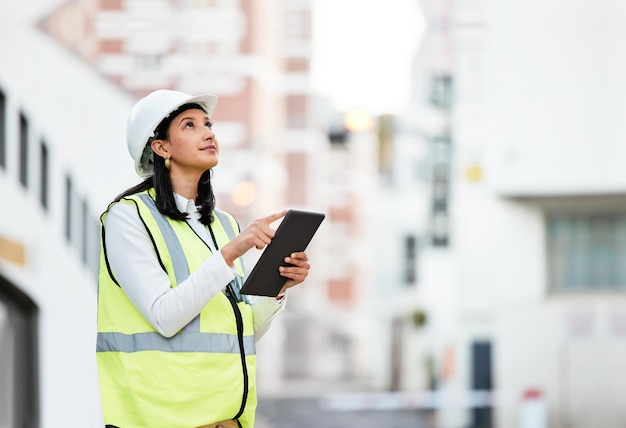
<point>191,339</point>
<point>181,269</point>
<point>183,342</point>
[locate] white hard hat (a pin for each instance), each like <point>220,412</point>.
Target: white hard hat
<point>148,113</point>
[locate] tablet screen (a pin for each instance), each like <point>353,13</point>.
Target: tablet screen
<point>292,235</point>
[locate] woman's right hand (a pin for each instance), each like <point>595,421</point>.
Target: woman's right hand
<point>258,234</point>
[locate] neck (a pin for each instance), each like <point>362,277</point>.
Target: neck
<point>186,186</point>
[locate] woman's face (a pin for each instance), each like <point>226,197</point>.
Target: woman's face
<point>192,146</point>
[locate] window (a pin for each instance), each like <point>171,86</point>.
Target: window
<point>3,158</point>
<point>337,132</point>
<point>43,177</point>
<point>297,169</point>
<point>298,348</point>
<point>296,24</point>
<point>23,172</point>
<point>69,194</point>
<point>147,62</point>
<point>93,244</point>
<point>410,260</point>
<point>441,91</point>
<point>441,158</point>
<point>296,106</point>
<point>439,229</point>
<point>84,235</point>
<point>90,238</point>
<point>586,251</point>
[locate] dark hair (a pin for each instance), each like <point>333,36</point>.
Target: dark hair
<point>160,181</point>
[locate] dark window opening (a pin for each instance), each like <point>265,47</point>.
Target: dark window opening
<point>44,197</point>
<point>23,165</point>
<point>410,260</point>
<point>69,194</point>
<point>3,159</point>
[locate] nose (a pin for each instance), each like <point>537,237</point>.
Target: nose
<point>209,134</point>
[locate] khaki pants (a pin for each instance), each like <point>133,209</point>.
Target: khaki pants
<point>223,424</point>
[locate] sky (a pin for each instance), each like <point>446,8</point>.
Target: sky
<point>363,51</point>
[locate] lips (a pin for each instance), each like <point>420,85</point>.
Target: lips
<point>211,147</point>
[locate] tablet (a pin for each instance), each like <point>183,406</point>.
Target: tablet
<point>292,235</point>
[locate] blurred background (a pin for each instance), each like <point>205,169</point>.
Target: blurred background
<point>469,156</point>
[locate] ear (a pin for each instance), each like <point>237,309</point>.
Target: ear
<point>160,147</point>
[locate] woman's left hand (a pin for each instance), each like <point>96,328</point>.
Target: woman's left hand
<point>297,272</point>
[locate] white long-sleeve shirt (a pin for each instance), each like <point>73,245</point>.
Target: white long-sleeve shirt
<point>138,272</point>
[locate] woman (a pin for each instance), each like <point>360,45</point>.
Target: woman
<point>176,339</point>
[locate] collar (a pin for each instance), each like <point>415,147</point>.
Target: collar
<point>185,205</point>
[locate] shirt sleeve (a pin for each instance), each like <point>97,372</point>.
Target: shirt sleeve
<point>137,270</point>
<point>264,310</point>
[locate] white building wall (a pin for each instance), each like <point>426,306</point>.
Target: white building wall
<point>555,96</point>
<point>538,108</point>
<point>81,118</point>
<point>554,102</point>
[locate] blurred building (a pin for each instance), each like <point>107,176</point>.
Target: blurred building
<point>69,74</point>
<point>516,130</point>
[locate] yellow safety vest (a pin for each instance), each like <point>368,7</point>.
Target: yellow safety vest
<point>203,374</point>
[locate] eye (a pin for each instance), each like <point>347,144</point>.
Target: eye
<point>189,124</point>
<point>209,125</point>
